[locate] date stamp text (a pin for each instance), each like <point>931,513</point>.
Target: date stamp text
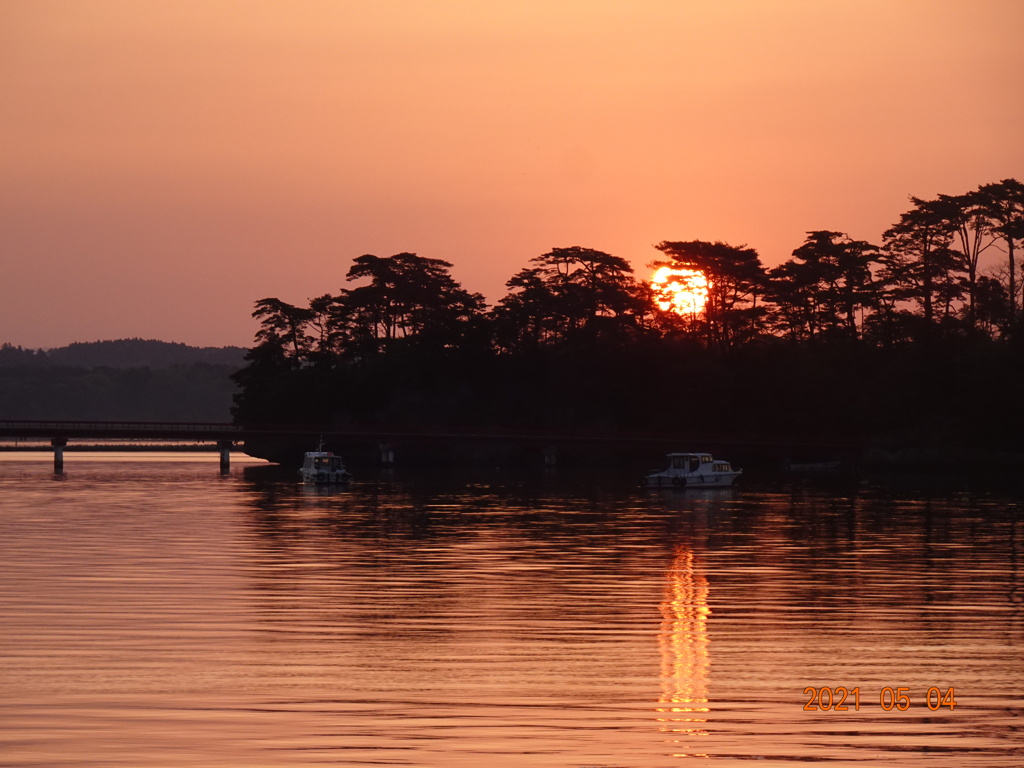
<point>843,699</point>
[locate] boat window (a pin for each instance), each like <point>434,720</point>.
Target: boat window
<point>678,462</point>
<point>705,459</point>
<point>694,464</point>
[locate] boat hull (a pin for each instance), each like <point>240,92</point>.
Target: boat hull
<point>718,480</point>
<point>324,478</point>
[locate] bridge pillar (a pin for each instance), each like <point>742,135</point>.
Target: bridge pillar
<point>225,456</point>
<point>58,443</point>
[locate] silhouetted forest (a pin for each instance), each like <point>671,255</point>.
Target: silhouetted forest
<point>121,353</point>
<point>912,343</point>
<point>123,380</point>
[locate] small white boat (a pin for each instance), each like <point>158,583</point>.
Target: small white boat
<point>695,470</point>
<point>323,467</point>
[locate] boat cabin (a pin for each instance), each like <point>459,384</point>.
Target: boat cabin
<point>688,462</point>
<point>322,461</point>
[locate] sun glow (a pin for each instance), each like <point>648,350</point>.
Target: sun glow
<point>680,290</point>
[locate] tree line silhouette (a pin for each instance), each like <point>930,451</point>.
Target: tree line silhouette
<point>908,341</point>
<point>120,380</point>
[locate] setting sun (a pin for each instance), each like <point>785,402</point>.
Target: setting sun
<point>683,291</point>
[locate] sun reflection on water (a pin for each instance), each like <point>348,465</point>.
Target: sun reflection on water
<point>684,646</point>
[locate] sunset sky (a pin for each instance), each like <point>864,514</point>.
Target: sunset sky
<point>166,163</point>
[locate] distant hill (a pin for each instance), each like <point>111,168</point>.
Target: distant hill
<point>122,353</point>
<point>122,380</point>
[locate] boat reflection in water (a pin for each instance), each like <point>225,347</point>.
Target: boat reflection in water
<point>684,646</point>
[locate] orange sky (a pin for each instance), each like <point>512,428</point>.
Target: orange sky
<point>165,164</point>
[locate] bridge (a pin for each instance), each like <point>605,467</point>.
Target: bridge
<point>223,437</point>
<point>227,436</point>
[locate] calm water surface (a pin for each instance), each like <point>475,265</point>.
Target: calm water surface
<point>155,614</point>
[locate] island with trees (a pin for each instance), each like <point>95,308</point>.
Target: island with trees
<point>909,347</point>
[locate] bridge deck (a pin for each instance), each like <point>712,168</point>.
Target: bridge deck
<point>219,432</point>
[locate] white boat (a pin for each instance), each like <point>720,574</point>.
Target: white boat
<point>323,467</point>
<point>695,470</point>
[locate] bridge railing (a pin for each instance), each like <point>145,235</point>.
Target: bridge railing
<point>140,425</point>
<point>127,429</point>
